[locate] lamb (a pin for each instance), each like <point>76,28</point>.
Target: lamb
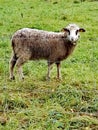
<point>33,44</point>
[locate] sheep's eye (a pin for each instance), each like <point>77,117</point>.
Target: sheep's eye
<point>68,32</point>
<point>77,32</point>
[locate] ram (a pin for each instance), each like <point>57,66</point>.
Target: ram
<point>34,44</point>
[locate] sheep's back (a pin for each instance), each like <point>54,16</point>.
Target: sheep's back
<point>37,43</point>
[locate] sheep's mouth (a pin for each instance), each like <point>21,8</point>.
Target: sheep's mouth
<point>74,43</point>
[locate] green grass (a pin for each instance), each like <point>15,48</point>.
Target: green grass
<point>37,104</point>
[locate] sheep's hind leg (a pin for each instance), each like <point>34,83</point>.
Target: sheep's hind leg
<point>11,66</point>
<point>58,70</point>
<point>19,64</point>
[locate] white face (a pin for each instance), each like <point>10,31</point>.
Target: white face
<point>72,32</point>
<point>73,35</point>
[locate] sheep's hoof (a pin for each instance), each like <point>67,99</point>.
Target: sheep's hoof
<point>22,78</point>
<point>47,78</point>
<point>12,78</point>
<point>59,78</point>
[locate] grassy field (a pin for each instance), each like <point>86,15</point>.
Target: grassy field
<point>37,104</point>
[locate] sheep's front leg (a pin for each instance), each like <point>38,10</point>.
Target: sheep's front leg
<point>49,68</point>
<point>58,70</point>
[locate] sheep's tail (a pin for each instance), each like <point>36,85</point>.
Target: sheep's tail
<point>13,45</point>
<point>13,50</point>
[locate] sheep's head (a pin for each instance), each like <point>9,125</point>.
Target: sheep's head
<point>72,32</point>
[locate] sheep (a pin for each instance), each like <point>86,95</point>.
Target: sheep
<point>33,44</point>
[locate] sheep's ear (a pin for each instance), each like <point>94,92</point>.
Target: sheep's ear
<point>65,30</point>
<point>82,30</point>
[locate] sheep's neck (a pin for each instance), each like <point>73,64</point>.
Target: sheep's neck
<point>69,48</point>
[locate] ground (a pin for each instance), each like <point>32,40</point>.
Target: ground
<point>37,104</point>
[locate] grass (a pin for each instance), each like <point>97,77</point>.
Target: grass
<point>37,104</point>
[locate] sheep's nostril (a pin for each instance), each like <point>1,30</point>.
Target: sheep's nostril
<point>72,39</point>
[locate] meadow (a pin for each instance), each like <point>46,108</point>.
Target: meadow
<point>37,104</point>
